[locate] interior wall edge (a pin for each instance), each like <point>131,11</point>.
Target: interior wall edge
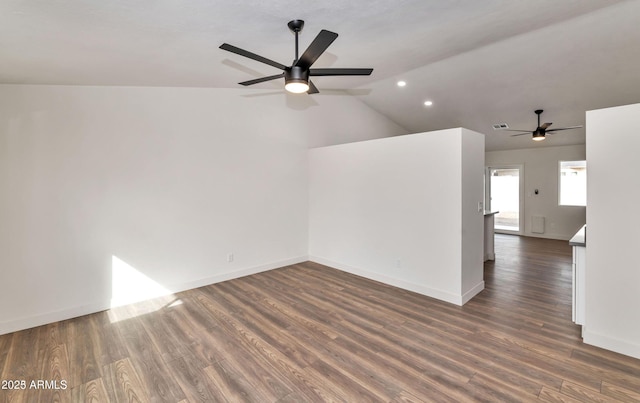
<point>475,290</point>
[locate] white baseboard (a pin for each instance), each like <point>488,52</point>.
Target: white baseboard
<point>50,317</point>
<point>610,343</point>
<point>466,297</point>
<point>396,282</point>
<point>218,278</point>
<point>74,312</point>
<point>558,237</point>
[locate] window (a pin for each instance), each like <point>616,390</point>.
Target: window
<point>573,183</point>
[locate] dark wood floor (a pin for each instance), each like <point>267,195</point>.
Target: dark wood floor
<point>307,333</point>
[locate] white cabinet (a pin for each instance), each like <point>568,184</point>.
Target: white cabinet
<point>579,264</point>
<point>489,234</point>
<point>578,242</point>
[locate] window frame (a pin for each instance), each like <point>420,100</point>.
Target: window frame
<point>560,168</point>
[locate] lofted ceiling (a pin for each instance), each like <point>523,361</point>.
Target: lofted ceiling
<point>481,62</point>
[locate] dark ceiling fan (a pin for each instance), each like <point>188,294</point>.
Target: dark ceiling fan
<point>296,76</point>
<point>541,131</point>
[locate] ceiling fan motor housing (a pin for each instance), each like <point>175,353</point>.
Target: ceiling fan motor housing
<point>296,74</point>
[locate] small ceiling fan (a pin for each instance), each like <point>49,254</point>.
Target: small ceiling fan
<point>541,131</point>
<point>296,76</point>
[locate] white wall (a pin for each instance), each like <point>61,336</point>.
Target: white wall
<point>393,210</point>
<point>168,180</point>
<point>472,222</point>
<point>612,317</point>
<point>541,172</point>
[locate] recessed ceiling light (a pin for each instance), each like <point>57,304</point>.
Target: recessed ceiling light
<point>402,83</point>
<point>428,103</point>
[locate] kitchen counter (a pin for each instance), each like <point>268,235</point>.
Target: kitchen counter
<point>580,238</point>
<point>579,246</point>
<point>489,224</point>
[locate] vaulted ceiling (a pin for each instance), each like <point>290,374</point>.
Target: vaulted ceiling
<point>480,62</point>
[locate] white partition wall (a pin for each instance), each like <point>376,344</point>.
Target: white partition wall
<point>612,317</point>
<point>402,210</point>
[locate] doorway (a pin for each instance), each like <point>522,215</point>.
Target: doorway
<point>503,191</point>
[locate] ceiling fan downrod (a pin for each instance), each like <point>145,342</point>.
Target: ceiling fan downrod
<point>296,26</point>
<point>539,112</point>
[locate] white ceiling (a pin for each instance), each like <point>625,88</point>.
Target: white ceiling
<point>480,61</point>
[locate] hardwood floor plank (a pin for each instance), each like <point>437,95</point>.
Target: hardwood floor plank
<point>16,396</point>
<point>231,385</point>
<point>108,338</point>
<point>494,390</point>
<point>244,339</point>
<point>123,380</point>
<point>415,381</point>
<point>55,372</point>
<point>473,353</point>
<point>559,369</point>
<point>267,324</point>
<point>22,355</point>
<point>259,371</point>
<point>584,394</point>
<point>351,386</point>
<point>630,371</point>
<point>406,397</point>
<point>312,317</point>
<point>619,393</point>
<point>554,396</point>
<point>92,392</point>
<point>148,364</point>
<point>5,346</point>
<point>85,350</point>
<point>164,338</point>
<point>193,381</point>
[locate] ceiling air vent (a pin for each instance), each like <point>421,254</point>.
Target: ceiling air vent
<point>499,126</point>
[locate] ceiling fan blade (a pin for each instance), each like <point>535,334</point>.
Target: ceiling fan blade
<point>520,134</point>
<point>246,53</point>
<point>312,88</point>
<point>340,72</point>
<point>317,47</point>
<point>262,79</point>
<point>513,130</point>
<point>544,126</point>
<point>564,128</point>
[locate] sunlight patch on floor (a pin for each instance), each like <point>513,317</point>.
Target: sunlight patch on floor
<point>130,286</point>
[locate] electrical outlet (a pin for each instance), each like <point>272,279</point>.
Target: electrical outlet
<point>230,257</point>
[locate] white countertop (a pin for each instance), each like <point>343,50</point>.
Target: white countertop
<point>580,238</point>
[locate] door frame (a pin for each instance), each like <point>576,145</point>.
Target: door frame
<point>487,194</point>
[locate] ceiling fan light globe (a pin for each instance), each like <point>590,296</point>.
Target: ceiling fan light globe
<point>538,137</point>
<point>296,87</point>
